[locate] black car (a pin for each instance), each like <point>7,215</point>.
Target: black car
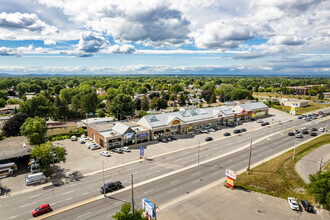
<point>169,139</point>
<point>314,129</point>
<point>230,125</point>
<point>313,133</point>
<point>162,140</point>
<point>111,186</point>
<point>307,206</point>
<point>305,132</point>
<point>264,123</point>
<point>226,134</point>
<point>243,129</point>
<point>236,131</point>
<point>172,137</point>
<point>208,139</point>
<point>291,134</point>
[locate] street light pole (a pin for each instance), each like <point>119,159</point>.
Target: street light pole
<point>132,194</point>
<point>250,155</point>
<point>294,149</point>
<point>320,164</point>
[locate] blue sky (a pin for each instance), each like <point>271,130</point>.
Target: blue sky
<point>165,37</point>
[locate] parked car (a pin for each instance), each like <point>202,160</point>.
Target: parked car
<point>293,203</point>
<point>264,123</point>
<point>307,206</point>
<point>172,137</point>
<point>291,134</point>
<point>243,129</point>
<point>313,133</point>
<point>308,119</point>
<point>162,140</point>
<point>105,153</point>
<point>314,129</point>
<point>126,149</point>
<point>216,128</point>
<point>296,131</point>
<point>204,131</point>
<point>208,139</point>
<point>92,145</point>
<point>111,186</point>
<point>41,210</point>
<point>95,147</point>
<point>84,140</point>
<point>259,121</point>
<point>300,117</point>
<point>236,131</point>
<point>299,135</point>
<point>117,150</point>
<point>226,134</point>
<point>211,130</point>
<point>74,138</point>
<point>321,129</point>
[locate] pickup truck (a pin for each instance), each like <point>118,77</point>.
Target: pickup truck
<point>111,186</point>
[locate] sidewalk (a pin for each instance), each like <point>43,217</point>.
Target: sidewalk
<point>310,164</point>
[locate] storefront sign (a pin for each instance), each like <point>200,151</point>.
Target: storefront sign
<point>230,182</point>
<point>175,122</point>
<point>231,174</point>
<point>129,135</point>
<point>142,135</point>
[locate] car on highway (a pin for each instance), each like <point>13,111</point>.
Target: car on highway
<point>296,131</point>
<point>304,132</point>
<point>125,149</point>
<point>293,203</point>
<point>314,129</point>
<point>313,133</point>
<point>259,121</point>
<point>204,131</point>
<point>291,133</point>
<point>243,129</point>
<point>236,131</point>
<point>105,153</point>
<point>264,123</point>
<point>226,134</point>
<point>117,150</point>
<point>307,206</point>
<point>41,210</point>
<point>111,186</point>
<point>299,135</point>
<point>321,129</point>
<point>208,139</point>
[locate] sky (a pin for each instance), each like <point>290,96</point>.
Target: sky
<point>267,37</point>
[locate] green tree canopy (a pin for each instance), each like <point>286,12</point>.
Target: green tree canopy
<point>125,213</point>
<point>320,187</point>
<point>158,103</point>
<point>34,129</point>
<point>38,106</point>
<point>239,94</point>
<point>121,106</point>
<point>144,103</point>
<point>13,125</point>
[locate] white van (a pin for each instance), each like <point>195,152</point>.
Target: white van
<point>35,178</point>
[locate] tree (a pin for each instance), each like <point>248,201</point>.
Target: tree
<point>43,153</point>
<point>176,88</point>
<point>38,106</point>
<point>321,96</point>
<point>12,126</point>
<point>142,113</point>
<point>125,214</point>
<point>125,89</point>
<point>89,102</point>
<point>213,98</point>
<point>122,106</point>
<point>154,94</point>
<point>208,86</point>
<point>158,103</point>
<point>34,129</point>
<point>61,108</point>
<point>320,187</point>
<point>2,102</point>
<point>239,94</point>
<point>137,103</point>
<point>144,104</point>
<point>206,94</point>
<point>100,113</point>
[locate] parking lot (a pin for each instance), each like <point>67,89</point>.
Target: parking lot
<point>83,161</point>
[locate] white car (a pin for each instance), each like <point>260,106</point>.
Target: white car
<point>322,129</point>
<point>211,130</point>
<point>259,121</point>
<point>204,131</point>
<point>126,149</point>
<point>88,143</point>
<point>293,203</point>
<point>84,140</point>
<point>95,147</point>
<point>105,153</point>
<point>74,138</point>
<point>91,144</point>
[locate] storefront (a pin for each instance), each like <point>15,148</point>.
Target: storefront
<point>158,134</point>
<point>190,130</point>
<point>129,138</point>
<point>142,137</point>
<point>113,143</point>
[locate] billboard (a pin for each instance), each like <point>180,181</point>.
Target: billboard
<point>148,207</point>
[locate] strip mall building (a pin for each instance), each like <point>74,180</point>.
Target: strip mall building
<point>110,134</point>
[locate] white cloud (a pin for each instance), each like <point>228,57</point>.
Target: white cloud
<point>49,42</point>
<point>121,49</point>
<point>5,51</point>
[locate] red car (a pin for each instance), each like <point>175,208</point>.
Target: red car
<point>41,210</point>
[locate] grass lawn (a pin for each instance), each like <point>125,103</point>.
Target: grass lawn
<point>275,95</point>
<point>302,110</point>
<point>278,177</point>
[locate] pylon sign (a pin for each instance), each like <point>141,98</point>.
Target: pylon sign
<point>230,182</point>
<point>231,177</point>
<point>148,207</point>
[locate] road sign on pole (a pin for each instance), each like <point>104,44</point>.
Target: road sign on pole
<point>141,151</point>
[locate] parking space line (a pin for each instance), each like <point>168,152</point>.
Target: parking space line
<point>196,181</point>
<point>196,173</point>
<point>173,190</point>
<point>15,216</point>
<point>31,197</point>
<point>68,199</point>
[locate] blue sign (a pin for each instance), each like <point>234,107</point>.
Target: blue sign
<point>142,151</point>
<point>148,207</point>
<point>142,135</point>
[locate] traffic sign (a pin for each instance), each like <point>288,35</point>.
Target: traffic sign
<point>142,151</point>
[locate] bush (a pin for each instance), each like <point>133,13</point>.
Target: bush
<point>59,137</point>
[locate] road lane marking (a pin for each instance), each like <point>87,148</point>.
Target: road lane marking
<point>71,185</point>
<point>85,193</point>
<point>148,191</point>
<point>213,174</point>
<point>68,192</point>
<point>176,181</point>
<point>196,181</point>
<point>84,214</point>
<point>31,197</point>
<point>173,190</point>
<point>52,204</point>
<point>196,173</point>
<point>28,204</point>
<point>68,199</point>
<point>229,161</point>
<point>15,216</point>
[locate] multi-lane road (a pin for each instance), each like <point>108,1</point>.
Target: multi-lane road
<point>160,179</point>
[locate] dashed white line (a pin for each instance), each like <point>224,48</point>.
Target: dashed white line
<point>15,216</point>
<point>52,204</point>
<point>68,192</point>
<point>148,191</point>
<point>213,174</point>
<point>71,185</point>
<point>173,190</point>
<point>28,204</point>
<point>176,181</point>
<point>196,181</point>
<point>84,214</point>
<point>196,173</point>
<point>85,193</point>
<point>68,199</point>
<point>242,156</point>
<point>31,197</point>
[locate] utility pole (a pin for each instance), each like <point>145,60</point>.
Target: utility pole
<point>103,178</point>
<point>132,194</point>
<point>320,164</point>
<point>250,155</point>
<point>294,150</point>
<point>199,145</point>
<point>155,207</point>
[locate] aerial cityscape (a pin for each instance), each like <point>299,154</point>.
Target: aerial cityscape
<point>164,110</point>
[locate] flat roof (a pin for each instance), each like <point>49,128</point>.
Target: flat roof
<point>61,124</point>
<point>97,120</point>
